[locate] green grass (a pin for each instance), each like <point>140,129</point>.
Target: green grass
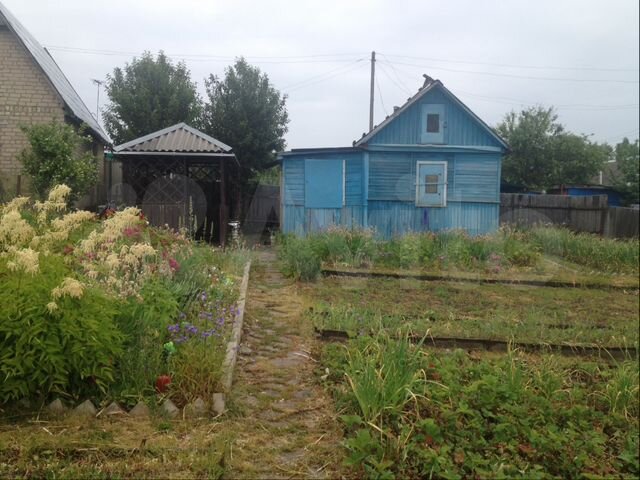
<point>504,252</point>
<point>416,414</point>
<point>603,254</point>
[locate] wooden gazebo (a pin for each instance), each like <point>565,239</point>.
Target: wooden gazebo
<point>179,175</point>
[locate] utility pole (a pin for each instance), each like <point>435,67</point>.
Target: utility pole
<point>371,96</point>
<point>98,83</point>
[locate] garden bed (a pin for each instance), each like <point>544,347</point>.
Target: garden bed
<point>606,353</point>
<point>535,280</point>
<point>542,253</point>
<point>601,318</point>
<point>417,414</point>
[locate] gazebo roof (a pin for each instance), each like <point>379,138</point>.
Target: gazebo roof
<point>179,139</point>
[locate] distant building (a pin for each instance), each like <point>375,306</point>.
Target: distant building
<point>614,197</point>
<point>431,165</point>
<point>34,90</point>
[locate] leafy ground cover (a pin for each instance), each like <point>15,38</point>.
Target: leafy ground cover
<point>505,252</point>
<point>100,308</point>
<point>410,413</point>
<point>505,312</point>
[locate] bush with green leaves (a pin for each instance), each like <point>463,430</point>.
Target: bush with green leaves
<point>56,155</point>
<point>70,350</point>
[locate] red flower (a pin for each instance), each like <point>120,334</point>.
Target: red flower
<point>174,265</point>
<point>68,249</point>
<point>162,383</point>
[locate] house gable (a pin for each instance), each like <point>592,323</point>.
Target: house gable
<point>434,117</point>
<point>51,72</point>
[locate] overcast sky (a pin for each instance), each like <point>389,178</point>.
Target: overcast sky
<point>580,56</point>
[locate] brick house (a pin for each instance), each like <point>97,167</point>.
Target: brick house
<point>34,90</point>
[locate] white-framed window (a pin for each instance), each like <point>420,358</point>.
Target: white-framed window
<point>431,184</point>
<point>433,123</point>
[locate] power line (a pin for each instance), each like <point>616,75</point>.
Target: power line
<point>506,65</point>
<point>516,101</point>
<point>402,88</point>
<point>386,112</point>
<point>395,72</point>
<point>525,77</point>
<point>325,76</point>
<point>575,106</point>
<point>315,58</point>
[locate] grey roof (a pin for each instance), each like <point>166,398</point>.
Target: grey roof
<point>45,61</point>
<point>422,92</point>
<point>179,138</point>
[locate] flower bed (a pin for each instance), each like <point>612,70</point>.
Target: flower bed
<point>103,308</point>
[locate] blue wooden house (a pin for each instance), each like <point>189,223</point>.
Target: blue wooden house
<point>431,165</point>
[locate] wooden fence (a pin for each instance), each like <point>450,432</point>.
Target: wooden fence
<point>263,209</point>
<point>582,214</point>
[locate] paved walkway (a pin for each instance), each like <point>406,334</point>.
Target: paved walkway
<point>286,425</point>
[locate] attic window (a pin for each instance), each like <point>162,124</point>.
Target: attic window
<point>433,123</point>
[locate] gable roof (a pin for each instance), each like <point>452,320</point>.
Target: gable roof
<point>431,85</point>
<point>52,71</point>
<point>179,138</point>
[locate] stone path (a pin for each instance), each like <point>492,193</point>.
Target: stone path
<point>285,425</point>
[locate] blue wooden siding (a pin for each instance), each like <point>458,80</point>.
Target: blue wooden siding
<point>460,128</point>
<point>474,178</point>
<point>355,181</point>
<point>472,194</point>
<point>293,178</point>
<point>470,177</point>
<point>390,219</point>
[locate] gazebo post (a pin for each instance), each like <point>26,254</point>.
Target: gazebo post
<point>223,206</point>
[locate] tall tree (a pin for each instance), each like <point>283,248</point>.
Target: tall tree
<point>543,154</point>
<point>245,111</point>
<point>147,95</point>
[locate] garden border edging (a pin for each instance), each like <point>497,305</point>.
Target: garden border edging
<point>232,346</point>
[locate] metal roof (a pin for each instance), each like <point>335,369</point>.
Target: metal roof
<point>52,71</point>
<point>422,92</point>
<point>179,138</point>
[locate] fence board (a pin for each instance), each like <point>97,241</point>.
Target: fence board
<point>582,214</point>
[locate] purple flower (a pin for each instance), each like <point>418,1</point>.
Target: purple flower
<point>192,329</point>
<point>174,328</point>
<point>220,321</point>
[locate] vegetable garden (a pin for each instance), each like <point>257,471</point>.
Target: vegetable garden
<point>410,411</point>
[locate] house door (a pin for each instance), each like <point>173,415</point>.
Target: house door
<point>431,184</point>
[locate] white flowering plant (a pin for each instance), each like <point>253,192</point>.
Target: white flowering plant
<point>96,301</point>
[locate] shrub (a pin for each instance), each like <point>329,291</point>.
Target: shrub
<point>68,346</point>
<point>55,157</point>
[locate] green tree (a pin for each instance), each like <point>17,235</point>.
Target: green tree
<point>543,154</point>
<point>147,95</point>
<point>626,178</point>
<point>58,154</point>
<point>245,111</point>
